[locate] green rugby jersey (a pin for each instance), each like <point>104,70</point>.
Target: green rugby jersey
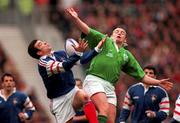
<point>109,63</point>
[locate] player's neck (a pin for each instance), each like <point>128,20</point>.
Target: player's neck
<point>146,85</point>
<point>7,93</point>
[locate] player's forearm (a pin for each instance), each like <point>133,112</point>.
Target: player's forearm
<point>88,56</point>
<point>82,26</point>
<point>150,81</point>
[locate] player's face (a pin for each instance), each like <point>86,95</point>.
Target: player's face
<point>79,84</point>
<point>119,35</point>
<point>43,46</point>
<point>8,83</point>
<point>150,73</point>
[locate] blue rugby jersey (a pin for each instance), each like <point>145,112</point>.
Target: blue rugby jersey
<point>10,108</point>
<point>154,98</point>
<point>56,73</point>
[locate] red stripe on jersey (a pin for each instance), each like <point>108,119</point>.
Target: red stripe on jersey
<point>126,103</point>
<point>42,64</point>
<point>163,102</point>
<point>51,67</point>
<point>177,104</point>
<point>176,112</point>
<point>127,97</point>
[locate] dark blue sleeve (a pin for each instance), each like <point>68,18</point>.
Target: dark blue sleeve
<point>88,56</point>
<point>124,115</point>
<point>69,63</point>
<point>29,107</point>
<point>30,113</point>
<point>160,116</point>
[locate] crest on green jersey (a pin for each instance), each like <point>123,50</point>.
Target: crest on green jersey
<point>125,57</point>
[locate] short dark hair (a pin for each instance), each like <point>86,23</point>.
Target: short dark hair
<point>150,67</point>
<point>6,74</point>
<point>32,51</point>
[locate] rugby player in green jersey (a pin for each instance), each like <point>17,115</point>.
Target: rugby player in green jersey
<point>106,67</point>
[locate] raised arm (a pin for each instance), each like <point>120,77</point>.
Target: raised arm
<point>165,83</point>
<point>73,16</point>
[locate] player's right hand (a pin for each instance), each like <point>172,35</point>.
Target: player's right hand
<point>82,46</point>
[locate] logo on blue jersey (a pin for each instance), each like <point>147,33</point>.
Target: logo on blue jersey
<point>136,97</point>
<point>15,101</point>
<point>153,98</point>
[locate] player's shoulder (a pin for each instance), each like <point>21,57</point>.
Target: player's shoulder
<point>20,94</point>
<point>161,89</point>
<point>134,86</point>
<point>60,52</point>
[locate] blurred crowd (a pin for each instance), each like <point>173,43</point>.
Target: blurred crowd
<point>7,65</point>
<point>152,26</point>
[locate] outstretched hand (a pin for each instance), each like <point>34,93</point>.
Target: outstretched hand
<point>82,45</point>
<point>166,84</point>
<point>70,12</point>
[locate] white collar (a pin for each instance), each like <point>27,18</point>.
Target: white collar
<point>2,93</point>
<point>50,55</point>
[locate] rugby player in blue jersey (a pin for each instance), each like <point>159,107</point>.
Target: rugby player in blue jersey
<point>55,70</point>
<point>150,103</point>
<point>15,106</point>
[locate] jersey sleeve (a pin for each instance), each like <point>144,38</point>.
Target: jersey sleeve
<point>132,67</point>
<point>176,114</point>
<point>125,112</point>
<point>93,38</point>
<point>164,107</point>
<point>29,107</point>
<point>88,56</point>
<point>54,67</point>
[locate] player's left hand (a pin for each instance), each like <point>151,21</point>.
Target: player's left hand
<point>166,84</point>
<point>22,116</point>
<point>100,44</point>
<point>71,13</point>
<point>150,114</point>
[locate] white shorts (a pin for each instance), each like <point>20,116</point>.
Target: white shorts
<point>93,84</point>
<point>62,108</point>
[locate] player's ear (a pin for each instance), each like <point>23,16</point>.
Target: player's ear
<point>39,53</point>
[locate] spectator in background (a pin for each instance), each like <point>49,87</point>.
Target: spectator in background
<point>176,115</point>
<point>151,103</point>
<point>15,106</point>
